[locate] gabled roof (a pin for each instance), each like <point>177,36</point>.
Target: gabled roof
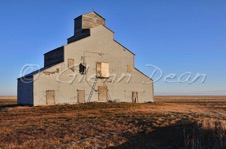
<point>54,50</point>
<point>96,14</point>
<point>124,47</point>
<point>143,73</point>
<point>38,71</point>
<point>92,12</point>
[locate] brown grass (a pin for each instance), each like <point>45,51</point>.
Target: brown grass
<point>7,100</point>
<point>170,122</point>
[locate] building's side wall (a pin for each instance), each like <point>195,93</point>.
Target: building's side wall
<point>47,80</point>
<point>25,92</point>
<point>99,47</point>
<point>144,86</point>
<point>59,81</point>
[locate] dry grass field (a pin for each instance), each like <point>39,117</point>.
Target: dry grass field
<point>170,122</point>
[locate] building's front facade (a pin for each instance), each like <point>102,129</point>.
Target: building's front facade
<point>91,67</point>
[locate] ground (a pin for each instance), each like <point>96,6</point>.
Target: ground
<point>170,122</point>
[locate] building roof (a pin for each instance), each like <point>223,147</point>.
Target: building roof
<point>92,12</point>
<point>37,71</point>
<point>53,50</point>
<point>124,47</point>
<point>143,73</point>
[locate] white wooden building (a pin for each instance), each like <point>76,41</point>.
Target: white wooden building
<point>91,67</point>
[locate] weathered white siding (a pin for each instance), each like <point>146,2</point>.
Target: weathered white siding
<point>99,47</point>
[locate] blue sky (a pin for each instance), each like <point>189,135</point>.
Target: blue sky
<point>174,35</point>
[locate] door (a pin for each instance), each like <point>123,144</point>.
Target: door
<point>102,93</point>
<point>50,97</point>
<point>81,96</point>
<point>71,64</point>
<point>102,70</point>
<point>134,97</point>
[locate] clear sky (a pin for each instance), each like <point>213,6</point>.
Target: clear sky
<point>177,36</point>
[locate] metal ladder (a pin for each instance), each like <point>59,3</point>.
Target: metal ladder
<point>92,90</point>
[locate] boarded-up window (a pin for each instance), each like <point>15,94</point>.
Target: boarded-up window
<point>50,97</point>
<point>102,93</point>
<point>102,70</point>
<point>71,64</point>
<point>105,69</point>
<point>134,97</point>
<point>81,96</point>
<point>129,68</point>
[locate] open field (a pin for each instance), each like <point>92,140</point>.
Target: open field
<point>7,100</point>
<point>170,122</point>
